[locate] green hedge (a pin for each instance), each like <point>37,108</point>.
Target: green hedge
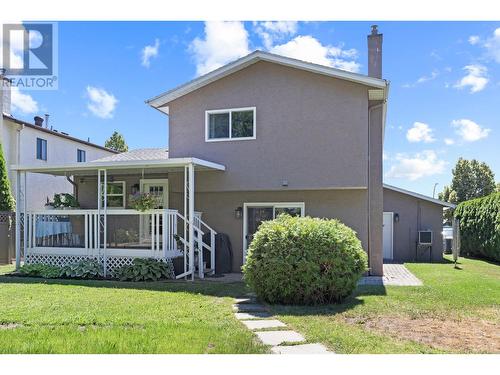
<point>480,227</point>
<point>294,260</point>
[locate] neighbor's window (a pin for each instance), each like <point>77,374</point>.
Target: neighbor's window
<point>41,149</point>
<point>115,194</point>
<point>80,156</point>
<point>230,124</point>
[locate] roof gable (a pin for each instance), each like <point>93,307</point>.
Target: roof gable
<point>161,101</point>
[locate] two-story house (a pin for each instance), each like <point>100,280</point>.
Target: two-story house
<point>37,144</point>
<point>260,136</point>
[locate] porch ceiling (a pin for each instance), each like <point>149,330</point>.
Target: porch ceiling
<point>122,167</point>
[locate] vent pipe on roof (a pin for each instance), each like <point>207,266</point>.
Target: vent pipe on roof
<point>38,121</point>
<point>47,120</point>
<point>375,53</point>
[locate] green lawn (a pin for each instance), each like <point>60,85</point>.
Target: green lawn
<point>38,316</point>
<point>457,310</point>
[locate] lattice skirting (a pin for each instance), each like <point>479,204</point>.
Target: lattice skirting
<point>111,262</point>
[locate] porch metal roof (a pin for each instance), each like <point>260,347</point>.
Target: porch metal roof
<point>84,168</point>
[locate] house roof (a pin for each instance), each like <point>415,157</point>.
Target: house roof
<point>144,154</point>
<point>119,165</point>
<point>419,196</point>
<point>160,102</point>
<point>56,133</point>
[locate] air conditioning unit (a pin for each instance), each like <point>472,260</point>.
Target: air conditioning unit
<point>425,237</point>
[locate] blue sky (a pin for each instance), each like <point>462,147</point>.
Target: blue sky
<point>444,99</point>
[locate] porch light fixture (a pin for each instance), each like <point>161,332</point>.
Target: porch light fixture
<point>396,218</point>
<point>238,213</point>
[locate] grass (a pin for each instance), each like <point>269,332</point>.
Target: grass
<point>441,316</point>
<point>457,310</point>
<point>64,316</point>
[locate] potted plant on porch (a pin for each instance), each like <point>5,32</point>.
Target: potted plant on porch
<point>65,201</point>
<point>143,201</point>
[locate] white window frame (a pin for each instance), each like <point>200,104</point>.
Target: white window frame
<point>84,153</point>
<point>275,205</point>
<point>230,110</point>
<point>124,185</point>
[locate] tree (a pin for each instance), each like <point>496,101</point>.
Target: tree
<point>116,142</point>
<point>471,179</point>
<point>7,202</point>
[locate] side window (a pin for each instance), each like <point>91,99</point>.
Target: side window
<point>41,149</point>
<point>80,156</point>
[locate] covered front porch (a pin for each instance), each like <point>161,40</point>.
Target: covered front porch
<point>104,226</point>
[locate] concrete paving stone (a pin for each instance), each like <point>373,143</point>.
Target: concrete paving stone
<point>300,349</point>
<point>263,324</point>
<point>245,300</point>
<point>252,315</point>
<point>248,307</point>
<point>278,337</point>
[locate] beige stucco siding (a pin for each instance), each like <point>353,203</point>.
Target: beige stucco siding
<point>414,214</point>
<point>311,130</point>
<point>218,209</point>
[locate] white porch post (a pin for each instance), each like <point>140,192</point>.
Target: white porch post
<point>185,217</point>
<point>18,220</point>
<point>102,213</point>
<point>25,217</point>
<point>191,219</point>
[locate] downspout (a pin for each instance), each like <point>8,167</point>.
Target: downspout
<point>370,109</point>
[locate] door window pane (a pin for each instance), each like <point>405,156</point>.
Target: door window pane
<point>218,126</point>
<point>256,215</point>
<point>242,124</point>
<point>292,211</point>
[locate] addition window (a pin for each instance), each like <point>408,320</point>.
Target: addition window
<point>80,156</point>
<point>115,194</point>
<point>230,124</point>
<point>41,149</point>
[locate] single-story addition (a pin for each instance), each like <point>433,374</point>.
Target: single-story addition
<point>262,135</point>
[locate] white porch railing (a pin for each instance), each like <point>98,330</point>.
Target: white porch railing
<point>130,233</point>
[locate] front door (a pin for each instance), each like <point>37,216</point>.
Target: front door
<point>388,235</point>
<point>256,213</point>
<point>159,189</point>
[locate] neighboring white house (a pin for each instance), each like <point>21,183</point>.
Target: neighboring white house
<point>27,143</point>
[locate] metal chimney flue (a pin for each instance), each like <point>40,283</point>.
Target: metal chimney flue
<point>47,120</point>
<point>375,53</point>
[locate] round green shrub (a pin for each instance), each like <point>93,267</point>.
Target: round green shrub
<point>303,260</point>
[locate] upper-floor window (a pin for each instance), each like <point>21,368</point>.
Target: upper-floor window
<point>80,156</point>
<point>41,149</point>
<point>230,124</point>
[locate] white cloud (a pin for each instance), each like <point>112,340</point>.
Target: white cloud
<point>475,78</point>
<point>425,78</point>
<point>223,42</point>
<point>449,141</point>
<point>308,48</point>
<point>423,164</point>
<point>492,45</point>
<point>22,102</point>
<point>469,131</point>
<point>473,39</point>
<point>148,52</point>
<point>420,132</point>
<point>272,31</point>
<point>101,103</point>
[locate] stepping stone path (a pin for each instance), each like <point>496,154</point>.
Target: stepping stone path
<point>256,318</point>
